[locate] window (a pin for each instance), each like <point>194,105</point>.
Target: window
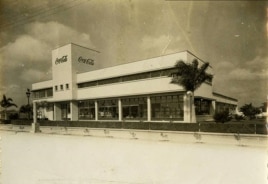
<point>43,93</point>
<point>108,109</point>
<point>61,87</point>
<point>109,81</point>
<point>67,86</point>
<point>202,106</point>
<point>136,76</point>
<point>156,73</point>
<point>56,88</point>
<point>167,107</point>
<point>139,76</point>
<point>86,110</point>
<point>87,84</point>
<point>134,108</point>
<point>49,92</point>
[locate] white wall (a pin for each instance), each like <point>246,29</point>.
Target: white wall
<point>42,85</point>
<point>156,63</point>
<point>156,85</point>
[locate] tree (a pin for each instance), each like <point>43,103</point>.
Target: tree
<point>190,77</point>
<point>26,109</point>
<point>264,107</point>
<point>6,103</point>
<point>43,105</point>
<point>249,110</point>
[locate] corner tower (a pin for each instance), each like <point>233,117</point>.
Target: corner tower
<point>67,61</point>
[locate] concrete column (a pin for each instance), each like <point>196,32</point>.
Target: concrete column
<point>193,115</point>
<point>213,107</point>
<point>186,109</point>
<point>119,109</point>
<point>74,110</point>
<point>34,113</point>
<point>96,110</point>
<point>189,109</point>
<point>149,114</point>
<point>35,125</point>
<point>267,112</point>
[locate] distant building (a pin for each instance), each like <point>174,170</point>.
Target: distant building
<point>138,91</point>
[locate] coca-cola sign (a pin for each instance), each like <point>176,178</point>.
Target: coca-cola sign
<point>61,60</point>
<point>86,60</point>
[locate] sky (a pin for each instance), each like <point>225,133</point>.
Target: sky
<point>230,35</point>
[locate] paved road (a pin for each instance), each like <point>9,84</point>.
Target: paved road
<point>60,159</point>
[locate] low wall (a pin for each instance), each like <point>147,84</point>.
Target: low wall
<point>241,128</point>
<point>184,137</point>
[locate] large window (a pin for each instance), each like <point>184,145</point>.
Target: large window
<point>87,84</point>
<point>139,76</point>
<point>43,93</point>
<point>167,107</point>
<point>136,77</point>
<point>49,92</point>
<point>86,110</point>
<point>202,106</point>
<point>109,81</point>
<point>134,108</point>
<point>220,107</point>
<point>108,109</point>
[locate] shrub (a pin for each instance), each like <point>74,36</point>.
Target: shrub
<point>222,117</point>
<point>13,116</point>
<point>239,117</point>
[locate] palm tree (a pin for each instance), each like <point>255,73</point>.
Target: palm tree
<point>6,103</point>
<point>190,77</point>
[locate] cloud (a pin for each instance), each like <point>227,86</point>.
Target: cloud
<point>161,42</point>
<point>27,59</point>
<point>36,44</point>
<point>255,69</point>
<point>23,50</point>
<point>33,74</point>
<point>56,34</point>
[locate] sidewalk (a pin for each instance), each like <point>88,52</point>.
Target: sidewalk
<point>150,135</point>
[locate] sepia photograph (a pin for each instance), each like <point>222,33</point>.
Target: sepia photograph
<point>133,92</point>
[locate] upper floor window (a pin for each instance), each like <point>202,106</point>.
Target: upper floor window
<point>67,86</point>
<point>43,93</point>
<point>56,88</point>
<point>61,87</point>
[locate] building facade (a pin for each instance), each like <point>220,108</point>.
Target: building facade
<point>137,91</point>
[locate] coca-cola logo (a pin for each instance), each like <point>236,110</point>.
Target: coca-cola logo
<point>61,60</point>
<point>86,60</point>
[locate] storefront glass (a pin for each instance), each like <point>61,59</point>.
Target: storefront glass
<point>167,107</point>
<point>134,108</point>
<point>86,110</point>
<point>202,106</point>
<point>108,109</point>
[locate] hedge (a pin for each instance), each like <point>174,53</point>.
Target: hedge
<point>247,128</point>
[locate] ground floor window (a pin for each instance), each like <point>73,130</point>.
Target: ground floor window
<point>167,107</point>
<point>134,108</point>
<point>202,106</point>
<point>108,109</point>
<point>220,107</point>
<point>86,110</point>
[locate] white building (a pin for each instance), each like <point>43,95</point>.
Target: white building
<point>138,91</point>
